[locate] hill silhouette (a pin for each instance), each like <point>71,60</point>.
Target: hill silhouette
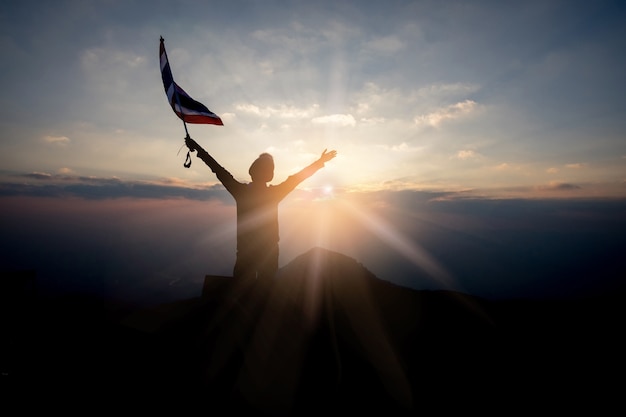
<point>327,337</point>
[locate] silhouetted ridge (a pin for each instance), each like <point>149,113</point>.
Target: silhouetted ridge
<point>343,278</point>
<point>325,264</point>
<point>327,337</point>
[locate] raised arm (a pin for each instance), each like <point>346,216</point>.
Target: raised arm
<point>222,174</point>
<point>202,154</point>
<point>295,179</point>
<point>327,156</point>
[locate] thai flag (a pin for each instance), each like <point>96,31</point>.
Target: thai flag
<point>188,109</point>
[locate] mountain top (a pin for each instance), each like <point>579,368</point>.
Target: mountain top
<point>327,336</point>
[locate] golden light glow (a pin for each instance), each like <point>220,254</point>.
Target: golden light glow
<point>341,225</point>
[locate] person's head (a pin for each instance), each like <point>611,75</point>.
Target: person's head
<point>262,169</point>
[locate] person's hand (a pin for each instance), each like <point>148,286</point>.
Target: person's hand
<point>192,144</point>
<point>327,156</point>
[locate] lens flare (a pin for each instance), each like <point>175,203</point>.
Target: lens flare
<point>395,239</point>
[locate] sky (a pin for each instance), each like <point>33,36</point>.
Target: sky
<point>481,145</point>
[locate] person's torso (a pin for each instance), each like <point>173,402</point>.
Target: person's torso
<point>257,214</point>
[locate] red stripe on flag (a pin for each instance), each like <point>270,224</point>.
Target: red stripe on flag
<point>185,107</point>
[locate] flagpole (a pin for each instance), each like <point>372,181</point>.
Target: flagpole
<point>187,163</point>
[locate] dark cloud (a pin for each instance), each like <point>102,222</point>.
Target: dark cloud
<point>567,187</point>
<point>561,186</point>
<point>38,176</point>
<point>98,188</point>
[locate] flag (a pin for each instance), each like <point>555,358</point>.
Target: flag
<point>186,108</point>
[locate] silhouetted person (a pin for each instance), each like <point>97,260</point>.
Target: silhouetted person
<point>257,210</point>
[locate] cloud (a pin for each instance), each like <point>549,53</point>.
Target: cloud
<point>466,154</point>
<point>101,58</point>
<point>385,45</point>
<point>112,73</point>
<point>565,186</point>
<point>451,112</point>
<point>66,171</point>
<point>559,186</point>
<point>405,147</point>
<point>57,140</point>
<point>504,167</point>
<point>282,111</point>
<point>576,166</point>
<point>441,90</point>
<point>38,176</point>
<point>402,147</point>
<point>375,101</point>
<point>291,40</point>
<point>342,120</point>
<point>371,121</point>
<point>297,42</point>
<point>251,109</point>
<point>103,188</point>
